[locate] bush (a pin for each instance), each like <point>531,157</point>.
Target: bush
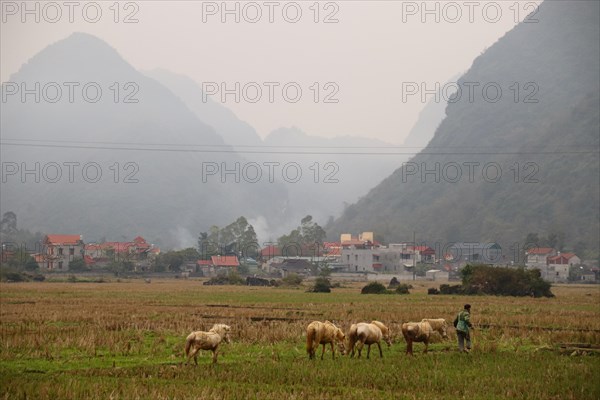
<point>11,275</point>
<point>292,280</point>
<point>230,279</point>
<point>500,281</point>
<point>322,285</point>
<point>451,289</point>
<point>433,290</point>
<point>374,288</point>
<point>403,288</point>
<point>483,279</point>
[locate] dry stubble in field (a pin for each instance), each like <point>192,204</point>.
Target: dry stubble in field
<point>64,339</point>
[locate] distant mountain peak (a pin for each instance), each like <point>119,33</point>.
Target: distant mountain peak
<point>77,54</point>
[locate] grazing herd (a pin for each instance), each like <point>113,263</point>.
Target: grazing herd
<point>324,333</point>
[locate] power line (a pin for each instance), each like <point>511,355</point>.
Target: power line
<point>118,146</point>
<point>260,146</point>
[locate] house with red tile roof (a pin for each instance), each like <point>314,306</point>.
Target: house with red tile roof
<point>536,257</point>
<point>270,251</point>
<point>206,266</point>
<point>553,265</point>
<point>558,266</point>
<point>218,264</point>
<point>225,262</point>
<point>59,251</point>
<point>424,253</point>
<point>106,252</point>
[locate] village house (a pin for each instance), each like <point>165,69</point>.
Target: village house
<point>364,254</point>
<point>58,251</point>
<point>300,266</point>
<point>136,251</point>
<point>218,265</point>
<point>425,254</point>
<point>537,257</point>
<point>463,253</point>
<point>553,265</point>
<point>557,269</point>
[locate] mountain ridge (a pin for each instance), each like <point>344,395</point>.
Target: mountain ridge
<point>560,66</point>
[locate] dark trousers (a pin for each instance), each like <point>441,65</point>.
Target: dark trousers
<point>461,340</point>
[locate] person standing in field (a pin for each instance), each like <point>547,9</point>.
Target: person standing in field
<point>462,323</point>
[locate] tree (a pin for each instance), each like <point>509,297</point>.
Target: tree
<point>203,245</point>
<point>8,223</point>
<point>238,236</point>
<point>21,261</point>
<point>78,265</point>
<point>119,267</point>
<point>309,233</point>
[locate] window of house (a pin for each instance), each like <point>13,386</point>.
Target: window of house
<point>72,251</point>
<point>60,265</point>
<point>60,251</point>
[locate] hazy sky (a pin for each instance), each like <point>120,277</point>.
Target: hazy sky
<point>366,52</point>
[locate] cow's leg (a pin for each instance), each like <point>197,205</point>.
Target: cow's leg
<point>323,352</point>
<point>194,354</point>
<point>426,346</point>
<point>368,351</point>
<point>332,350</point>
<point>360,345</point>
<point>380,352</point>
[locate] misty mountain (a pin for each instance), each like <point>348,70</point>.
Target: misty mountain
<point>329,178</point>
<point>533,151</point>
<point>429,119</point>
<point>234,131</point>
<point>338,170</point>
<point>111,152</point>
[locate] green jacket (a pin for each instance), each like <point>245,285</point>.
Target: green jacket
<point>464,321</point>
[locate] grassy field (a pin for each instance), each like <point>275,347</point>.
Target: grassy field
<point>124,340</point>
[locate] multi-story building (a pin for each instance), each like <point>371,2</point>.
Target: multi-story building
<point>59,251</point>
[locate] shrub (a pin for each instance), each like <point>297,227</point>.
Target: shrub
<point>403,288</point>
<point>374,288</point>
<point>433,290</point>
<point>484,279</point>
<point>78,265</point>
<point>451,289</point>
<point>230,279</point>
<point>292,280</point>
<point>322,285</point>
